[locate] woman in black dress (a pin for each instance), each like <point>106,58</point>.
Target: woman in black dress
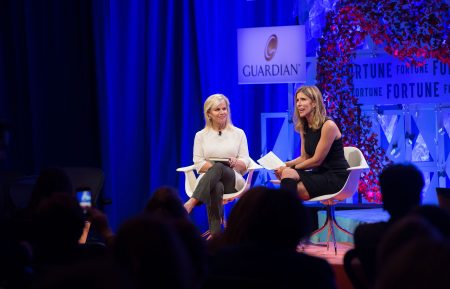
<point>321,168</point>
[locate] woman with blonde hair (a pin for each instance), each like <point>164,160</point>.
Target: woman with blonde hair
<point>220,157</point>
<point>321,168</point>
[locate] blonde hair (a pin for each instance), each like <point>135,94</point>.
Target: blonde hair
<point>211,103</point>
<point>319,112</point>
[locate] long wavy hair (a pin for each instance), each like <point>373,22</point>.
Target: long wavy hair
<point>319,112</point>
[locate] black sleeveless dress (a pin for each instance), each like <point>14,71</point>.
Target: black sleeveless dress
<point>331,175</point>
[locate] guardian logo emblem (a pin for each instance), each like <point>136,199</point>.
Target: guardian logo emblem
<point>271,47</point>
<point>265,57</point>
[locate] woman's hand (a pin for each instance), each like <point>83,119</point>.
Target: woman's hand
<point>100,222</point>
<point>278,172</point>
<point>237,165</point>
<point>232,162</point>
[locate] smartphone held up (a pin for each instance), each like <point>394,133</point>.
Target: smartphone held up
<point>84,196</point>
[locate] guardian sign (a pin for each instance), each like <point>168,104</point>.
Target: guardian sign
<point>271,55</point>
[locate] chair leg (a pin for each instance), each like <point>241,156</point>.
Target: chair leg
<point>333,236</point>
<point>336,224</point>
<point>328,237</point>
<point>326,225</point>
<point>330,224</point>
<point>331,233</point>
<point>333,221</point>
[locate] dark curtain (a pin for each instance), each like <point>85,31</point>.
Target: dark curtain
<point>121,84</point>
<point>48,84</point>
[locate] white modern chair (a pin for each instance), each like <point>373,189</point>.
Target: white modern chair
<point>358,165</point>
<point>191,182</point>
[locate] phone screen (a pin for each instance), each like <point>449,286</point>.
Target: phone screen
<point>84,197</point>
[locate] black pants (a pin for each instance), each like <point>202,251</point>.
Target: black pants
<point>218,180</point>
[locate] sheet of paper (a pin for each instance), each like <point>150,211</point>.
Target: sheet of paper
<point>270,161</point>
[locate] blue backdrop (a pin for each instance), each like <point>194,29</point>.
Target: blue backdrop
<point>157,62</point>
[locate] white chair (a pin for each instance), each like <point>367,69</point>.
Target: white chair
<point>191,182</point>
<point>358,165</point>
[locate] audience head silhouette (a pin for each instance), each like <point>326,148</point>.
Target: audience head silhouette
<point>402,232</point>
<point>50,181</point>
<point>57,225</point>
<point>268,216</point>
<point>166,202</point>
<point>436,216</point>
<point>150,254</point>
<point>409,245</point>
<point>261,240</point>
<point>401,188</point>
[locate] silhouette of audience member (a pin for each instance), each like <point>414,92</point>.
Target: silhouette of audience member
<point>150,255</point>
<point>424,228</point>
<point>405,230</point>
<point>436,216</point>
<point>91,274</point>
<point>17,231</point>
<point>54,181</point>
<point>422,264</point>
<point>413,254</point>
<point>166,203</point>
<point>58,222</point>
<point>268,216</point>
<point>263,232</point>
<point>51,181</point>
<point>401,188</point>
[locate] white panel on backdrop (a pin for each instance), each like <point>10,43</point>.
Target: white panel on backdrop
<point>271,54</point>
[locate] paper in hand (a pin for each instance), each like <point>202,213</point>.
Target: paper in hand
<point>271,162</point>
